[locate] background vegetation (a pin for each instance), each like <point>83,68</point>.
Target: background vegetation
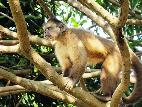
<point>35,17</point>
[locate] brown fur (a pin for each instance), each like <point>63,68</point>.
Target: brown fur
<point>75,48</point>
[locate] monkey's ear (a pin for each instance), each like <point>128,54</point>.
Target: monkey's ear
<point>62,27</point>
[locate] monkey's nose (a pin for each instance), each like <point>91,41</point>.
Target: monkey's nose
<point>47,34</point>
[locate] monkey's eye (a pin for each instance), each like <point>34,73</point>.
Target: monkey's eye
<point>61,26</point>
<point>49,28</point>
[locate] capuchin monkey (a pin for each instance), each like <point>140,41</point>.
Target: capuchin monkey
<point>75,48</point>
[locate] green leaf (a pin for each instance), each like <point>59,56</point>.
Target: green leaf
<point>22,62</point>
<point>101,2</point>
<point>134,3</point>
<point>75,23</point>
<point>82,22</point>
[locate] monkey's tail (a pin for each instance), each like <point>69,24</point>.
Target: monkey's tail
<point>137,66</point>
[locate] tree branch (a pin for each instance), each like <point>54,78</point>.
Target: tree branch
<point>131,12</point>
<point>41,87</point>
<point>112,20</point>
<point>123,47</point>
<point>9,42</point>
<point>7,32</point>
<point>10,49</point>
<point>134,22</point>
<point>97,19</point>
<point>46,9</point>
<point>33,39</point>
<point>6,16</point>
<point>20,25</point>
<point>11,89</point>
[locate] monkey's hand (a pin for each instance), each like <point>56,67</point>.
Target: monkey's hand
<point>69,83</point>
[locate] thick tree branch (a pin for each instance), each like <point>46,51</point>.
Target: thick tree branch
<point>9,42</point>
<point>124,13</point>
<point>134,22</point>
<point>12,92</point>
<point>33,39</point>
<point>41,87</point>
<point>10,49</point>
<point>8,89</point>
<point>20,25</point>
<point>112,20</point>
<point>92,73</point>
<point>123,47</point>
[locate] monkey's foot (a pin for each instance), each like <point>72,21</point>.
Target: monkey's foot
<point>69,83</point>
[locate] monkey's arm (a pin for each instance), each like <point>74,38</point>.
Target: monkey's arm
<point>72,60</point>
<point>63,58</point>
<point>78,58</point>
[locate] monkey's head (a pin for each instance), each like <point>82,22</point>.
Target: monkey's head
<point>53,28</point>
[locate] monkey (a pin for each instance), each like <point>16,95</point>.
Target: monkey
<point>76,48</point>
<point>72,57</point>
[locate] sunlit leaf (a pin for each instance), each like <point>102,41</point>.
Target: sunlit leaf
<point>75,23</point>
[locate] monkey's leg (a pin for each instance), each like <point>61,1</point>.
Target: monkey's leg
<point>63,59</point>
<point>110,73</point>
<point>71,65</point>
<point>65,63</point>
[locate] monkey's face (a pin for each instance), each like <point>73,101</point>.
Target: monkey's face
<point>51,30</point>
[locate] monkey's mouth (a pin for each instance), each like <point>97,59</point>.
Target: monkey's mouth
<point>47,36</point>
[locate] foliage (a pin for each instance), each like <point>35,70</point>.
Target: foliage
<point>35,18</point>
